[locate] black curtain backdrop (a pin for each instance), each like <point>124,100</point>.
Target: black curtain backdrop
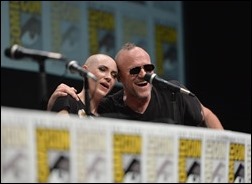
<point>217,40</point>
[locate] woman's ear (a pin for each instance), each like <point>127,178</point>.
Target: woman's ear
<point>85,67</point>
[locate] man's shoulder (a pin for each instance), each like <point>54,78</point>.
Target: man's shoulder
<point>114,97</point>
<point>111,103</point>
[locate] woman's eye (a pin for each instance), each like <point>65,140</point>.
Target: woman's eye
<point>102,69</point>
<point>114,75</point>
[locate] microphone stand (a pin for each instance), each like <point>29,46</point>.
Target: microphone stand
<point>87,98</point>
<point>42,82</point>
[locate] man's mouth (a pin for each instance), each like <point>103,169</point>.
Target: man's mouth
<point>141,84</point>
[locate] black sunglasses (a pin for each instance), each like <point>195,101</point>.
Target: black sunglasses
<point>147,68</point>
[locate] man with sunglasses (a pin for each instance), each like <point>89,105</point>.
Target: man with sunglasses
<point>139,100</point>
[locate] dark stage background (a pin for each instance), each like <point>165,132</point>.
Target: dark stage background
<point>217,37</point>
<point>218,59</point>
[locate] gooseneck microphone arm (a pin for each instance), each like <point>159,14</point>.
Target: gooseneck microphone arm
<point>157,81</point>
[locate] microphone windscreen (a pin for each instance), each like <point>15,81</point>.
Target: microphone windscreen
<point>147,77</point>
<point>7,52</point>
<point>13,52</point>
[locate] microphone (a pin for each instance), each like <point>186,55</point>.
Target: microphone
<point>157,81</point>
<point>73,66</point>
<point>18,52</point>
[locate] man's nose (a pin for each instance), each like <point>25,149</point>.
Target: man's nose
<point>142,73</point>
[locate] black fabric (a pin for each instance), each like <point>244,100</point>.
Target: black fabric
<point>68,103</point>
<point>160,109</point>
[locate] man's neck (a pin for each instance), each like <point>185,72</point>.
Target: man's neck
<point>138,105</point>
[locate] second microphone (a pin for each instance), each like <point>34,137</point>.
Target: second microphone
<point>74,67</point>
<point>157,81</point>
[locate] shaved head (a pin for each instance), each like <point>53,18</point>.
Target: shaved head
<point>94,59</point>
